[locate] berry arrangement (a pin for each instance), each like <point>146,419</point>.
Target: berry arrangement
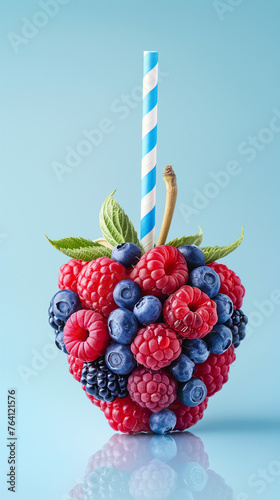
<point>156,467</point>
<point>149,335</point>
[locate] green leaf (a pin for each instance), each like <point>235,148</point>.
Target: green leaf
<point>115,224</point>
<point>196,239</point>
<point>215,253</point>
<point>79,248</point>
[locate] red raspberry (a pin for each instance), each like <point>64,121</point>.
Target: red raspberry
<point>126,416</point>
<point>190,448</point>
<point>190,312</point>
<point>123,452</point>
<point>75,367</point>
<point>230,284</point>
<point>94,400</point>
<point>156,346</point>
<point>69,272</point>
<point>86,335</point>
<point>187,416</point>
<point>161,271</point>
<point>76,493</point>
<point>96,283</point>
<point>153,390</point>
<point>214,371</point>
<point>154,480</point>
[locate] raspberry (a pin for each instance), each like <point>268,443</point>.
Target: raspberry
<point>160,271</point>
<point>107,483</point>
<point>86,335</point>
<point>96,283</point>
<point>75,367</point>
<point>69,272</point>
<point>190,448</point>
<point>187,416</point>
<point>156,346</point>
<point>155,480</point>
<point>125,415</point>
<point>230,284</point>
<point>152,390</point>
<point>122,452</point>
<point>237,323</point>
<point>101,382</point>
<point>76,493</point>
<point>190,312</point>
<point>214,371</point>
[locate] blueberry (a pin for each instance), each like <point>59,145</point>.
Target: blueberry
<point>192,393</point>
<point>163,421</point>
<point>182,368</point>
<point>64,303</point>
<point>128,254</point>
<point>122,325</point>
<point>206,279</point>
<point>194,256</point>
<point>148,309</point>
<point>196,349</point>
<point>126,293</point>
<point>194,476</point>
<point>54,321</point>
<point>163,448</point>
<point>119,358</point>
<point>59,341</point>
<point>224,307</point>
<point>219,339</point>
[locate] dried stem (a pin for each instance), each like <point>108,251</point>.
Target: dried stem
<point>169,178</point>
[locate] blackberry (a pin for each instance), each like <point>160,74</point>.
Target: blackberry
<point>106,483</point>
<point>101,382</point>
<point>237,324</point>
<point>216,487</point>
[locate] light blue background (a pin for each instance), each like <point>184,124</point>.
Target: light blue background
<point>220,83</point>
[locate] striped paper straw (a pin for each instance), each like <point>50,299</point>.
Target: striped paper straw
<point>149,150</point>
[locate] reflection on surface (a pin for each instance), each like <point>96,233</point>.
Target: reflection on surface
<point>151,467</point>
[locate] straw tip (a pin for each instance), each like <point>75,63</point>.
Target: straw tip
<point>150,52</point>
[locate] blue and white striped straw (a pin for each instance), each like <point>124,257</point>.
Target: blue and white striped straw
<point>149,150</point>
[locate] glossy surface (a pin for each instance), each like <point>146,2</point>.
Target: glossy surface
<point>227,462</point>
